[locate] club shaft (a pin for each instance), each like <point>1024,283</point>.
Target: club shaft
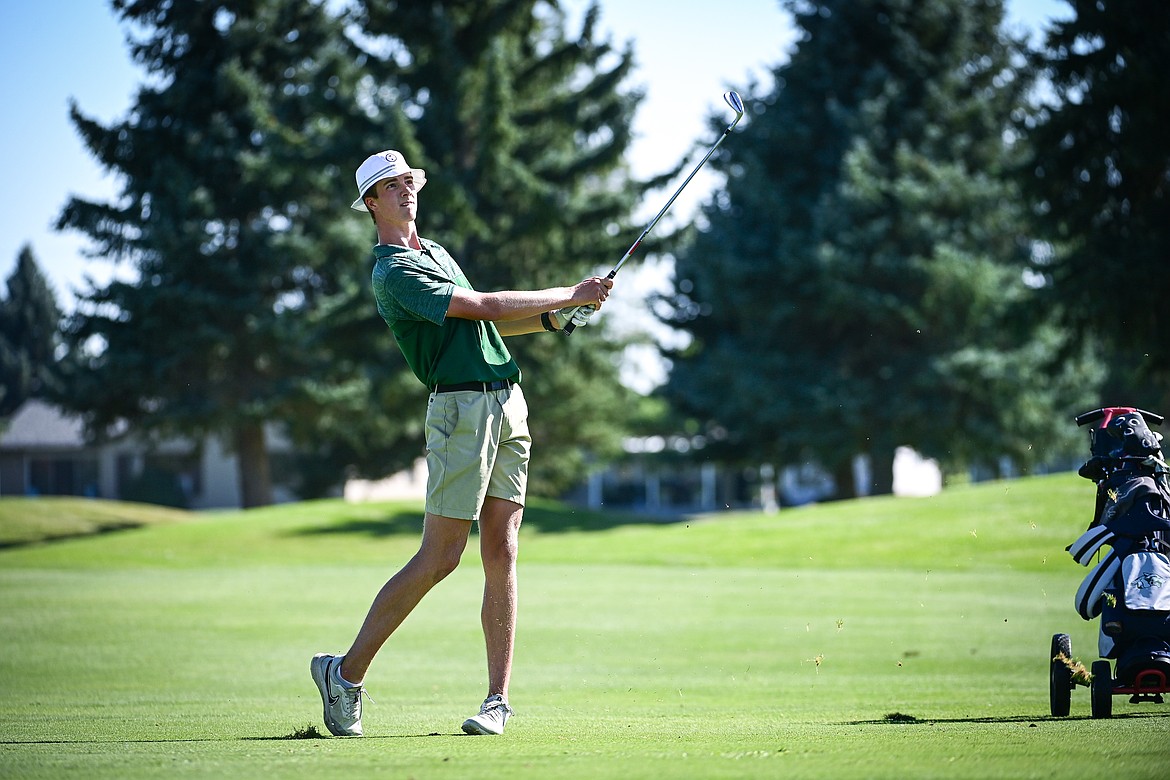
<point>732,100</point>
<point>634,247</point>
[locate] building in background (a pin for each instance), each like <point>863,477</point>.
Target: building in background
<point>43,451</point>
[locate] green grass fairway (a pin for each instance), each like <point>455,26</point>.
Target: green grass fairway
<point>882,638</point>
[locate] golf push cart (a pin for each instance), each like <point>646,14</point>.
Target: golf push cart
<point>1129,587</point>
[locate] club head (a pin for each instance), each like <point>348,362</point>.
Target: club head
<point>733,100</point>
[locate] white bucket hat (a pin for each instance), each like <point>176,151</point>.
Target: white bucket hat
<point>383,165</point>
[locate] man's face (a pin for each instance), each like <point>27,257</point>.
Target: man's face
<point>395,199</point>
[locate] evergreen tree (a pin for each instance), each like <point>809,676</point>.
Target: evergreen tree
<point>227,218</point>
<point>251,301</point>
<point>30,322</point>
<point>1100,176</point>
<point>522,128</point>
<point>859,286</point>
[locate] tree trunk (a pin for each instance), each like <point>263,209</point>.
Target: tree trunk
<point>843,478</point>
<point>255,477</point>
<point>881,480</point>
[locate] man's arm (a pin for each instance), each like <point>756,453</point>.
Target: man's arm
<point>518,311</point>
<point>555,320</point>
<point>520,327</point>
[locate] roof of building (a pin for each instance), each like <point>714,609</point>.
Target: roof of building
<point>37,424</point>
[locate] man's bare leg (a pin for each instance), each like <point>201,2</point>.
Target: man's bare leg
<point>499,527</point>
<point>443,542</point>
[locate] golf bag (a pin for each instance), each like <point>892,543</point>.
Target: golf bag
<point>1129,587</point>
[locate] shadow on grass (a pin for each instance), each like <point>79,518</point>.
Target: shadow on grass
<point>98,741</point>
<point>898,719</point>
<point>551,518</point>
<point>542,517</point>
<point>49,537</point>
<point>391,524</point>
<point>197,740</point>
<point>313,733</point>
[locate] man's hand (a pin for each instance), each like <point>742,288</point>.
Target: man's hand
<point>595,288</point>
<point>592,291</point>
<point>582,314</point>
<point>577,315</point>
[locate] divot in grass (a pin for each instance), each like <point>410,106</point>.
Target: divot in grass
<point>308,732</point>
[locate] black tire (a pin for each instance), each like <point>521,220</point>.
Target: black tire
<point>1060,682</point>
<point>1101,690</point>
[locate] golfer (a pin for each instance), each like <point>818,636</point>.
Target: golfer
<point>477,436</point>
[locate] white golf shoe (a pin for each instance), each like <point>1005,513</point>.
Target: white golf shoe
<point>343,702</point>
<point>492,717</point>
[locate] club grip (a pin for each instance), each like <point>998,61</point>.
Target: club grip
<point>572,326</point>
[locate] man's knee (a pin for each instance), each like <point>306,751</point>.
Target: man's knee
<point>441,561</point>
<point>500,533</point>
<point>443,542</point>
<point>446,564</point>
<point>500,550</point>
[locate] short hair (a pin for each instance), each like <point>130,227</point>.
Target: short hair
<point>370,193</point>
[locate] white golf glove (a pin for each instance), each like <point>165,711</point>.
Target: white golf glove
<point>582,315</point>
<point>578,315</point>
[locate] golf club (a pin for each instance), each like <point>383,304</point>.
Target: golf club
<point>732,99</point>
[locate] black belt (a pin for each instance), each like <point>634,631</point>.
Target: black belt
<point>480,387</point>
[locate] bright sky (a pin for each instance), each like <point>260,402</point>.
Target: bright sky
<point>688,51</point>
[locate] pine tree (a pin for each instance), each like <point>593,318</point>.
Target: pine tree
<point>1100,177</point>
<point>30,322</point>
<point>859,286</point>
<point>522,127</point>
<point>249,300</point>
<point>227,219</point>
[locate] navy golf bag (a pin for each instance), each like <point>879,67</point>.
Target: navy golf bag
<point>1128,588</point>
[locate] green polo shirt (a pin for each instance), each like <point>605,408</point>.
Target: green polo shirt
<point>413,290</point>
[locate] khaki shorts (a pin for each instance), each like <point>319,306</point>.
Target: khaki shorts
<point>478,445</point>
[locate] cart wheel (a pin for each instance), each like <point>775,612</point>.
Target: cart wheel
<point>1101,690</point>
<point>1060,682</point>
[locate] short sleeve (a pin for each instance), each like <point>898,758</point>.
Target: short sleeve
<point>410,293</point>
